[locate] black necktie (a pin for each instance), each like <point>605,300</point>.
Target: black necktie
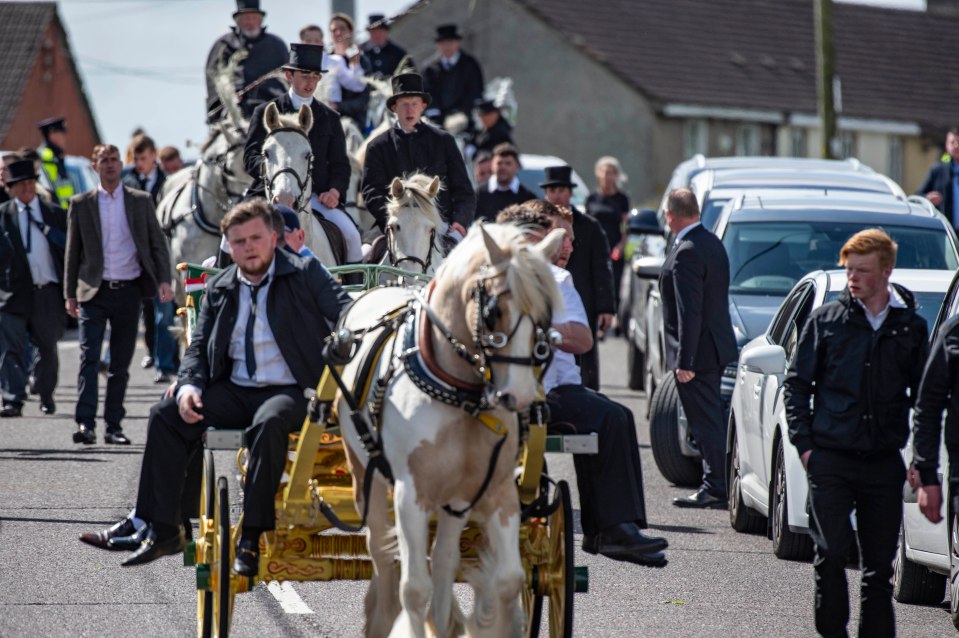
<point>143,182</point>
<point>26,211</point>
<point>250,322</point>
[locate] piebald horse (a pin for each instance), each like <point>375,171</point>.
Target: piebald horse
<point>414,228</point>
<point>288,173</point>
<point>465,358</point>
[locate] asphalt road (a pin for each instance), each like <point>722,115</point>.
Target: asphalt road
<point>717,583</point>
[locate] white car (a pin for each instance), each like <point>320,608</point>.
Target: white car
<point>767,483</point>
<point>928,556</point>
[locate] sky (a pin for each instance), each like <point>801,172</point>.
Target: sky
<point>142,61</point>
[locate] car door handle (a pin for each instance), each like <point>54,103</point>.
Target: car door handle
<point>757,389</point>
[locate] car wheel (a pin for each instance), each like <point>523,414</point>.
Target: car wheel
<point>675,467</point>
<point>636,364</point>
<point>912,583</point>
<point>954,569</point>
<point>787,544</point>
<point>741,517</point>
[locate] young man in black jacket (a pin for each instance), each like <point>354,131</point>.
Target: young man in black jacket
<point>856,359</point>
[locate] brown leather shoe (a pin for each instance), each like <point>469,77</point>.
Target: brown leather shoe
<point>102,539</point>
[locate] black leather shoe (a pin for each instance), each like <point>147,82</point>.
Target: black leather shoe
<point>161,377</point>
<point>626,539</point>
<point>701,500</point>
<point>102,539</point>
<point>247,561</point>
<point>11,410</point>
<point>116,437</point>
<point>48,407</point>
<point>84,435</point>
<point>652,559</point>
<point>128,542</point>
<point>152,548</point>
<point>589,544</point>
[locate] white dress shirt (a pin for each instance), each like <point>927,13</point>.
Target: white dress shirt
<point>344,76</point>
<point>494,186</point>
<point>450,62</point>
<point>120,258</point>
<point>271,367</point>
<point>42,269</point>
<point>895,301</point>
<point>563,369</point>
<point>299,101</point>
<point>151,180</point>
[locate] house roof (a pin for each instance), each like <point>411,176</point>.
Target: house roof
<point>760,54</point>
<point>22,25</point>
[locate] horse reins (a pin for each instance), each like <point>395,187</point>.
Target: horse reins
<point>302,184</point>
<point>424,264</point>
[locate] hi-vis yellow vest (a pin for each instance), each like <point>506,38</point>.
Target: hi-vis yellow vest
<point>61,185</point>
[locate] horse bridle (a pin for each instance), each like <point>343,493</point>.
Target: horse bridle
<point>302,183</point>
<point>424,264</point>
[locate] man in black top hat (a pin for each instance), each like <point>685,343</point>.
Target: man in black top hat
<point>331,166</point>
<point>52,166</point>
<point>32,239</point>
<point>384,54</point>
<point>453,77</point>
<point>496,130</point>
<point>590,266</point>
<point>267,52</point>
<point>410,146</point>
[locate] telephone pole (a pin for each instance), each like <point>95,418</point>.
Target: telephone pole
<point>826,82</point>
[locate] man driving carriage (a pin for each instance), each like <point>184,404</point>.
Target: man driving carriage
<point>413,146</point>
<point>247,366</point>
<point>330,164</point>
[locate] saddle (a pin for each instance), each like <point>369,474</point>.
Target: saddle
<point>377,251</point>
<point>333,234</point>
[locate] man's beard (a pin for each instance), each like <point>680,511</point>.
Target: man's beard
<point>251,34</point>
<point>258,271</point>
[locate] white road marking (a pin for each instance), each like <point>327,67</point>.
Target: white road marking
<point>289,600</point>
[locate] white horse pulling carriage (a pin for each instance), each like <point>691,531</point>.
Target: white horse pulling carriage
<point>432,396</point>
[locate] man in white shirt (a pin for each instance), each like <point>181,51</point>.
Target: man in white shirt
<point>31,265</point>
<point>610,482</point>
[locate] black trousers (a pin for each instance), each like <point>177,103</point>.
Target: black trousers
<point>610,482</point>
<point>703,406</point>
<point>43,327</point>
<point>839,482</point>
<point>268,414</point>
<point>121,308</point>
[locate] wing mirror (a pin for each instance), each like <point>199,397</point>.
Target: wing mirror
<point>764,360</point>
<point>648,267</point>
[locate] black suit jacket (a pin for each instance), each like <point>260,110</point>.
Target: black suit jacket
<point>455,90</point>
<point>303,293</point>
<point>383,61</point>
<point>16,282</point>
<point>591,267</point>
<point>131,180</point>
<point>429,150</point>
<point>939,179</point>
<point>489,204</point>
<point>331,166</point>
<point>694,287</point>
<point>267,52</point>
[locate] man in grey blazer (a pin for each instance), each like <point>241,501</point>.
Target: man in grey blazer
<point>116,254</point>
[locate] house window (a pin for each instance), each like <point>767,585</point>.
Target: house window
<point>847,144</point>
<point>695,138</point>
<point>798,142</point>
<point>895,158</point>
<point>747,140</point>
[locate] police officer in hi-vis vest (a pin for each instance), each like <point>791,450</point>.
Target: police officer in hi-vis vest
<point>53,171</point>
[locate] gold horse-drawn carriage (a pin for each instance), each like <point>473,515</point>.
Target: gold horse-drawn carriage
<point>315,537</point>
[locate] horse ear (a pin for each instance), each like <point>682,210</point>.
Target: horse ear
<point>305,117</point>
<point>396,188</point>
<point>548,245</point>
<point>271,117</point>
<point>496,254</point>
<point>434,187</point>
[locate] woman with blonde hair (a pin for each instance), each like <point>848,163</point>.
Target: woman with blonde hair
<point>609,206</point>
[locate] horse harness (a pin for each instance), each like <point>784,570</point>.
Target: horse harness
<point>302,183</point>
<point>424,264</point>
<point>416,356</point>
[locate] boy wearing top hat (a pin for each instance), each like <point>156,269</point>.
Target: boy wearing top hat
<point>453,77</point>
<point>267,53</point>
<point>384,54</point>
<point>32,235</point>
<point>411,146</point>
<point>331,166</point>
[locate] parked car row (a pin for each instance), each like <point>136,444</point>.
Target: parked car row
<point>783,222</point>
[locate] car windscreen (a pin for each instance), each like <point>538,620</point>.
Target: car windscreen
<point>928,309</point>
<point>768,258</point>
<point>711,210</point>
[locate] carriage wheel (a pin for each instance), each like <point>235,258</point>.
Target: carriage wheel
<point>204,597</point>
<point>222,590</point>
<point>560,566</point>
<point>533,606</point>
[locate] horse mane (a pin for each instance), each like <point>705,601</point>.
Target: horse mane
<point>528,275</point>
<point>416,192</point>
